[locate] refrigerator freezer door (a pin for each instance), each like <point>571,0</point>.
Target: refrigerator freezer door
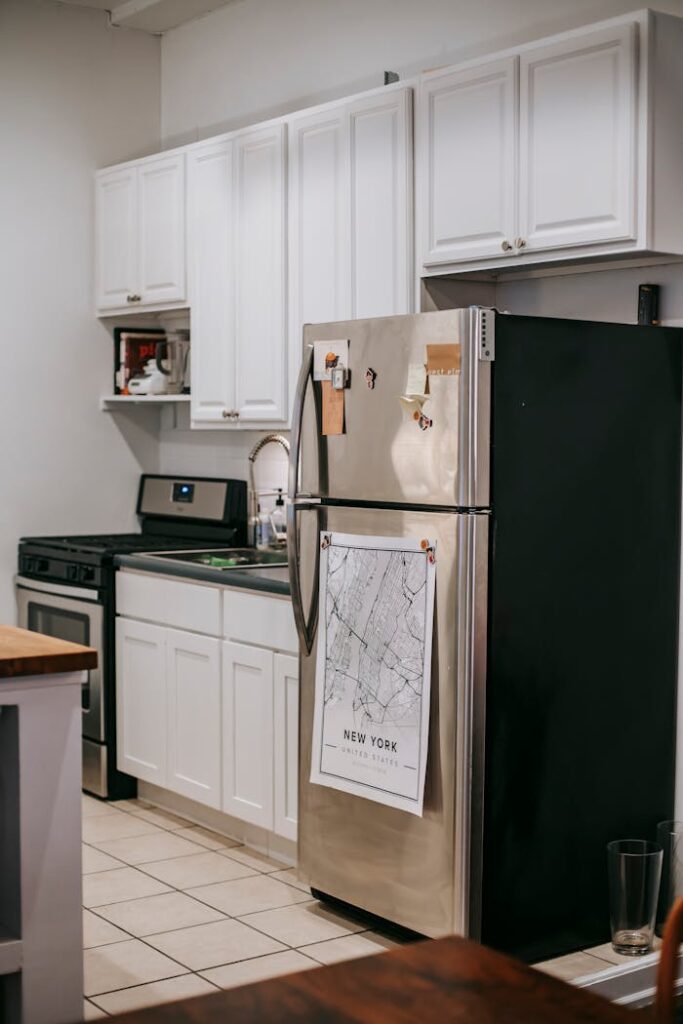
<point>383,454</point>
<point>420,872</point>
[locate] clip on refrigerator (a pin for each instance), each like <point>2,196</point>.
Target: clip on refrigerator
<point>550,478</point>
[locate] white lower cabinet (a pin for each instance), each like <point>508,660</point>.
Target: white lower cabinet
<point>193,689</point>
<point>214,720</point>
<point>141,700</point>
<point>248,733</point>
<point>285,745</point>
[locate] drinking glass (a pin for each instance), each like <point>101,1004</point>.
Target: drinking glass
<point>670,838</point>
<point>635,868</point>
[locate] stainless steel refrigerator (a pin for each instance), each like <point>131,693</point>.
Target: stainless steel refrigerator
<point>547,468</point>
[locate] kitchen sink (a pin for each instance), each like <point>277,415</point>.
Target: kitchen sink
<point>224,558</point>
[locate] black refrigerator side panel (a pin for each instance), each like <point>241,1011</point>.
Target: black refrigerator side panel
<point>583,640</point>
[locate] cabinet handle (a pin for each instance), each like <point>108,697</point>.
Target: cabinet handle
<point>132,298</point>
<point>505,245</point>
<point>230,414</point>
<point>520,242</point>
<point>225,414</point>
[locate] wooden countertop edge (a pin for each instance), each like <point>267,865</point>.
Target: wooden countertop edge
<point>451,980</point>
<point>25,653</point>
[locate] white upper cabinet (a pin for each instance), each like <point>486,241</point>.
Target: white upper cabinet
<point>381,196</point>
<point>261,367</point>
<point>211,283</point>
<point>237,279</point>
<point>140,234</point>
<point>563,149</point>
<point>319,286</point>
<point>577,140</point>
<point>350,212</point>
<point>468,132</point>
<point>116,204</point>
<point>162,229</point>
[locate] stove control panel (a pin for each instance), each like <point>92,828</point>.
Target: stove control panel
<point>46,567</point>
<point>209,501</point>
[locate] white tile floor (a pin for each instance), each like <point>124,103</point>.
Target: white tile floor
<point>172,910</point>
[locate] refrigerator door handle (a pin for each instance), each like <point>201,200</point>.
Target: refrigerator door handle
<point>297,423</point>
<point>305,623</point>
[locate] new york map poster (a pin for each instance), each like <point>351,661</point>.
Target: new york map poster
<point>373,668</point>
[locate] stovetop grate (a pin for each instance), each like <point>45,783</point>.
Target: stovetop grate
<point>117,543</point>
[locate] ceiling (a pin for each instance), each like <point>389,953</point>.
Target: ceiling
<point>155,16</point>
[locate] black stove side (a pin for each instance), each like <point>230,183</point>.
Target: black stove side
<point>583,619</point>
<point>119,785</point>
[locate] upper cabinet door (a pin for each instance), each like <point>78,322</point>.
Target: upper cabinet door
<point>381,171</point>
<point>211,281</point>
<point>261,366</point>
<point>162,229</point>
<point>318,221</point>
<point>116,234</point>
<point>193,680</point>
<point>466,163</point>
<point>577,140</point>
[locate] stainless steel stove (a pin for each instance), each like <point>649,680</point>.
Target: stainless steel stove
<point>65,587</point>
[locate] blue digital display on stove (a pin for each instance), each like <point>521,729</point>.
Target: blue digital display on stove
<point>183,493</point>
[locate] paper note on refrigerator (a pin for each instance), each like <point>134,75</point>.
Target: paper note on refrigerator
<point>327,355</point>
<point>373,669</point>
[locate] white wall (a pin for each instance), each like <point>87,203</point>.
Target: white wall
<point>257,58</point>
<point>74,95</point>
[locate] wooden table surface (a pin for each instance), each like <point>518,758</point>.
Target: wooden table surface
<point>445,981</point>
<point>24,653</point>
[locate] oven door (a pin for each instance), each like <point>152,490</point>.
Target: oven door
<point>74,614</point>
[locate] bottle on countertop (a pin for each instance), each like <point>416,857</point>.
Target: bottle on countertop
<point>264,530</point>
<point>278,520</point>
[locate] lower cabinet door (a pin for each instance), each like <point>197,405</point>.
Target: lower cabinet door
<point>141,700</point>
<point>248,733</point>
<point>286,744</point>
<point>193,680</point>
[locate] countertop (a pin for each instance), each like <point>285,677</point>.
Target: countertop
<point>24,653</point>
<point>451,980</point>
<point>271,580</point>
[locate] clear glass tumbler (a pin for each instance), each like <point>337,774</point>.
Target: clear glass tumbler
<point>670,838</point>
<point>635,868</point>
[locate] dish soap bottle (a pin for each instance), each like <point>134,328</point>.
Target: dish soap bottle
<point>278,519</point>
<point>263,529</point>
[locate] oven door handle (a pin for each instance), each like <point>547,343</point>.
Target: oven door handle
<point>78,593</point>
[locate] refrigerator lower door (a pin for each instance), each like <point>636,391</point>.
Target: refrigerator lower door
<point>420,872</point>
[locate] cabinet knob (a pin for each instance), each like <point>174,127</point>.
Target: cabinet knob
<point>230,414</point>
<point>505,245</point>
<point>225,414</point>
<point>520,242</point>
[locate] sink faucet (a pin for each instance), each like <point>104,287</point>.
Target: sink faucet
<point>253,455</point>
